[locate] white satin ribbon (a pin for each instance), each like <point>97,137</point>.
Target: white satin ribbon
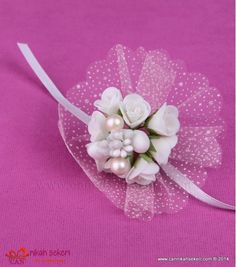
<point>184,182</point>
<point>50,86</point>
<point>170,170</point>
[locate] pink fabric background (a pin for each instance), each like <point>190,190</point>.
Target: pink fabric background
<point>47,202</point>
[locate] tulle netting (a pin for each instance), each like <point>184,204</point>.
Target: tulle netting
<point>158,79</point>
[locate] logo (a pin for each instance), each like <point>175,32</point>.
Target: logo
<point>17,257</point>
<point>37,255</point>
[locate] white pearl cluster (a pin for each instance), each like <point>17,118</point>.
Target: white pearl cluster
<point>120,143</point>
<point>115,143</point>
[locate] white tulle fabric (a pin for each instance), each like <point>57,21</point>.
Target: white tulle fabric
<point>158,79</point>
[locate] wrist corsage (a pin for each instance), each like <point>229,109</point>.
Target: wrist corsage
<point>143,129</point>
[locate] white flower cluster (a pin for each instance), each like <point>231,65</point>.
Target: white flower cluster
<point>129,141</point>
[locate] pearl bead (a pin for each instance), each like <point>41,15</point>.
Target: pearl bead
<point>114,123</point>
<point>141,142</point>
<point>120,166</point>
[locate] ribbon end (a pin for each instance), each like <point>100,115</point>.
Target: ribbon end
<point>21,44</point>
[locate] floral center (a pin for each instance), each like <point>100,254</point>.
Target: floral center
<point>120,143</point>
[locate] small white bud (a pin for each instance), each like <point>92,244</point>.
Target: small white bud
<point>123,153</point>
<point>116,153</point>
<point>128,148</point>
<point>127,142</point>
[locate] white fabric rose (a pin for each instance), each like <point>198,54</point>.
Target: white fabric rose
<point>165,121</point>
<point>110,101</point>
<point>99,151</point>
<point>143,172</point>
<point>135,110</point>
<point>163,146</point>
<point>96,127</point>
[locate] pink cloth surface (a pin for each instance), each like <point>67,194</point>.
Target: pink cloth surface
<point>47,202</point>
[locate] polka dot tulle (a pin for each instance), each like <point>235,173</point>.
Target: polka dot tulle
<point>158,79</point>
